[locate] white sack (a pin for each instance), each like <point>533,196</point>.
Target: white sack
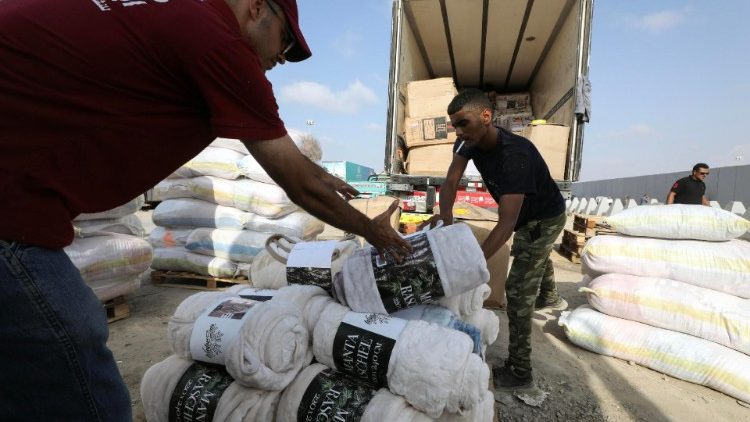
<point>219,162</point>
<point>109,256</point>
<point>722,266</point>
<point>162,237</point>
<point>228,143</point>
<point>196,213</point>
<point>674,305</point>
<point>234,245</point>
<point>271,347</point>
<point>362,403</point>
<point>187,212</point>
<point>445,262</point>
<point>307,144</point>
<point>171,189</point>
<point>111,288</point>
<point>432,367</point>
<point>180,259</point>
<point>468,302</point>
<point>130,207</point>
<point>247,195</point>
<point>129,224</point>
<point>236,403</point>
<point>269,269</point>
<point>680,221</point>
<point>679,355</point>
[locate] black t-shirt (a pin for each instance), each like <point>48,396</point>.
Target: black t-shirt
<point>515,166</point>
<point>689,191</point>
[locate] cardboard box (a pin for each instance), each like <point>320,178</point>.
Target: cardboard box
<point>515,123</point>
<point>481,222</point>
<point>552,143</point>
<point>429,97</point>
<point>432,160</point>
<point>513,103</point>
<point>421,131</point>
<point>371,207</point>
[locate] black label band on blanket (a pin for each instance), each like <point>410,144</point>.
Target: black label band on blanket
<point>333,397</point>
<point>363,352</point>
<point>197,394</point>
<point>320,277</point>
<point>412,282</point>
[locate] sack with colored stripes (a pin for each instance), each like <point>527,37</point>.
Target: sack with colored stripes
<point>722,266</point>
<point>247,195</point>
<point>674,305</point>
<point>235,245</point>
<point>680,221</point>
<point>682,356</point>
<point>109,256</point>
<point>219,162</point>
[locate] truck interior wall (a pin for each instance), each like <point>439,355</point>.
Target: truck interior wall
<point>557,73</point>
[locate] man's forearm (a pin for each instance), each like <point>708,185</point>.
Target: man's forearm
<point>447,199</point>
<point>497,238</point>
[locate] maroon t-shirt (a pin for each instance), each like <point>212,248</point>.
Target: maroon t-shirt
<point>101,99</point>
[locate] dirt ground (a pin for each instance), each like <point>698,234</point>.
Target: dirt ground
<point>582,386</point>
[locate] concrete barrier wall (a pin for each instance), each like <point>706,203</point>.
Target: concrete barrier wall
<point>724,184</point>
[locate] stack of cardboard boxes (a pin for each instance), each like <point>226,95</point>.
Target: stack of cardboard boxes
<point>512,111</point>
<point>429,136</point>
<point>428,133</point>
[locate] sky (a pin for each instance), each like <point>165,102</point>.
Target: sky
<point>670,84</point>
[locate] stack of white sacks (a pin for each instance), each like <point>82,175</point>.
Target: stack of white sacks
<point>218,210</point>
<point>416,364</point>
<point>109,250</point>
<point>671,292</point>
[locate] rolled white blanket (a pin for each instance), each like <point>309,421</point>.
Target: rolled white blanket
<point>270,269</point>
<point>310,300</point>
<point>183,387</point>
<point>431,366</point>
<point>321,394</point>
<point>439,315</point>
<point>445,262</point>
<point>262,344</point>
<point>482,412</point>
<point>468,302</point>
<point>487,322</point>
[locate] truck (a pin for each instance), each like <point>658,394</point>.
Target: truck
<point>535,46</point>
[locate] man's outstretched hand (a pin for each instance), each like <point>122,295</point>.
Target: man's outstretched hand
<point>381,235</point>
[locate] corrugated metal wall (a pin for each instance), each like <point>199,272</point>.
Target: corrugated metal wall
<point>723,185</point>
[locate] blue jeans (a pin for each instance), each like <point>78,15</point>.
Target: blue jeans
<point>54,360</point>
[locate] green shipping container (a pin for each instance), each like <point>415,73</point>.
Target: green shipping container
<point>351,172</point>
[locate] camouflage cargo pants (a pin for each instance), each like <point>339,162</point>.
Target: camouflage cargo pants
<point>530,275</point>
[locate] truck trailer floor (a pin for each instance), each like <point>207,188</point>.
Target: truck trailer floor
<point>582,386</point>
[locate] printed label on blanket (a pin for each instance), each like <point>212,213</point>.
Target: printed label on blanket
<point>259,295</point>
<point>310,263</point>
<point>197,394</point>
<point>363,345</point>
<point>333,397</point>
<point>217,327</point>
<point>412,282</point>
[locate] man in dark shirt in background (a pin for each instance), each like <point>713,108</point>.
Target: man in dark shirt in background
<point>690,189</point>
<point>529,203</point>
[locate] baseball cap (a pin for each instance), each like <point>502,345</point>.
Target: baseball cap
<point>300,51</point>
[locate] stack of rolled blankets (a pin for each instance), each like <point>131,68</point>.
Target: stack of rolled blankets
<point>109,250</point>
<point>671,291</point>
<point>218,210</point>
<point>420,363</point>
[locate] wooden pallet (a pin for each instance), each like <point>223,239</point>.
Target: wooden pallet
<point>572,256</point>
<point>187,280</point>
<point>117,309</point>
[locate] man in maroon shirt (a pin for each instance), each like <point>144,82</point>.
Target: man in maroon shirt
<point>100,100</point>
